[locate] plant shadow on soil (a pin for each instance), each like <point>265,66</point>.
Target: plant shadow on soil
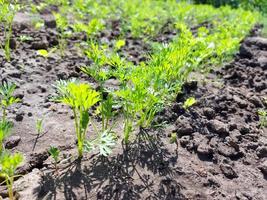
<point>115,177</point>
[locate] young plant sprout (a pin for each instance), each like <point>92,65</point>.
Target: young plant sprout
<point>39,126</point>
<point>8,164</point>
<point>39,130</point>
<point>189,102</point>
<point>173,139</point>
<point>119,44</point>
<point>5,128</point>
<point>54,152</point>
<point>81,98</point>
<point>105,110</point>
<point>6,97</point>
<point>263,117</point>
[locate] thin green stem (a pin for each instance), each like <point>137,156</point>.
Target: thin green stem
<point>4,114</point>
<point>78,134</point>
<point>9,182</point>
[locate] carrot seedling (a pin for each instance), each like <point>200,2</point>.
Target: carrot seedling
<point>9,163</point>
<point>6,97</point>
<point>80,97</point>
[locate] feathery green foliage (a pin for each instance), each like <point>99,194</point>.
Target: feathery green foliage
<point>8,165</point>
<point>6,97</point>
<point>81,98</point>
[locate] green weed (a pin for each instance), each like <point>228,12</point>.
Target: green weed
<point>54,152</point>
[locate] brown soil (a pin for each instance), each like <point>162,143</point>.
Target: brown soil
<point>222,150</point>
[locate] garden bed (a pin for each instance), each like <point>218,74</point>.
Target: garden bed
<point>221,146</point>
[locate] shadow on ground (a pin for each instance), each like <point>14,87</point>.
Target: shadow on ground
<point>125,176</point>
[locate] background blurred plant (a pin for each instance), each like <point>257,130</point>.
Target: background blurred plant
<point>64,31</point>
<point>8,9</point>
<point>260,5</point>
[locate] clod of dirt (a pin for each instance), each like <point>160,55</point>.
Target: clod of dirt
<point>12,141</point>
<point>49,20</point>
<point>228,171</point>
<point>184,127</point>
<point>13,43</point>
<point>218,127</point>
<point>204,150</point>
<point>37,45</point>
<point>209,113</point>
<point>262,152</point>
<point>19,116</point>
<point>263,168</point>
<point>27,184</point>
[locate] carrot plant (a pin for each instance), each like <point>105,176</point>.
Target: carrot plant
<point>8,10</point>
<point>81,98</point>
<point>8,164</point>
<point>5,128</point>
<point>7,98</point>
<point>64,32</point>
<point>91,29</point>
